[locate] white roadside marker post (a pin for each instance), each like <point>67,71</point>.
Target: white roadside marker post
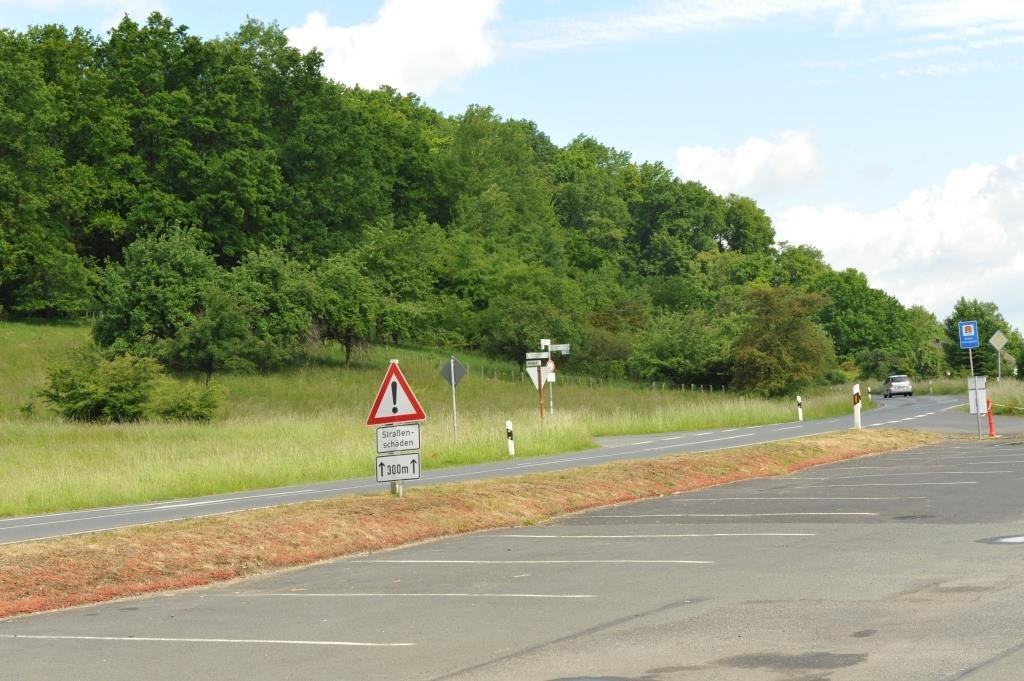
<point>799,409</point>
<point>511,439</point>
<point>856,406</point>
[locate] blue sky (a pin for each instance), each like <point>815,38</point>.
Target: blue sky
<point>888,134</point>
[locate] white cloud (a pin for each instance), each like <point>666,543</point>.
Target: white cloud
<point>957,238</point>
<point>412,45</point>
<point>673,16</point>
<point>113,10</point>
<point>760,167</point>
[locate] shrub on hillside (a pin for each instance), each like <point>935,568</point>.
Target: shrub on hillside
<point>185,402</point>
<point>94,388</point>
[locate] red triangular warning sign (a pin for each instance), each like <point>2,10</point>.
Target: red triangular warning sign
<point>395,401</point>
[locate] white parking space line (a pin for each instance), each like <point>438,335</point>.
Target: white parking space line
<point>895,484</point>
<point>732,515</point>
<point>892,475</point>
<point>656,536</point>
<point>539,562</point>
<point>407,595</point>
<point>988,463</point>
<point>250,641</point>
<point>979,455</point>
<point>799,498</point>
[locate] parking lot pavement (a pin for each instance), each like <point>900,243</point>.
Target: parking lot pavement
<point>900,566</point>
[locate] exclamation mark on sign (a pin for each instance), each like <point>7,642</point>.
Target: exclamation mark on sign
<point>394,397</point>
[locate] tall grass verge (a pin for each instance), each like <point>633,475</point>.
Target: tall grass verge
<point>306,424</point>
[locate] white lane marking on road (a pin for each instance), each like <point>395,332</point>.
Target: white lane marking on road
<point>656,536</point>
<point>153,639</point>
<point>894,484</point>
<point>84,516</point>
<point>892,475</point>
<point>730,515</point>
<point>776,430</point>
<point>645,442</point>
<point>799,498</point>
<point>1011,540</point>
<point>538,562</point>
<point>243,594</point>
<point>703,434</point>
<point>675,437</point>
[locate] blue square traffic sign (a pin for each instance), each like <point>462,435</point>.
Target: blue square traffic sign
<point>969,335</point>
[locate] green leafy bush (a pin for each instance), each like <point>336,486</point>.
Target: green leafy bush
<point>186,401</point>
<point>94,388</point>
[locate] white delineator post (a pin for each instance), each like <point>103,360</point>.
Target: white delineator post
<point>856,406</point>
<point>511,439</point>
<point>799,408</point>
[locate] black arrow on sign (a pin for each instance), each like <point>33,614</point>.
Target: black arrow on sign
<point>413,466</point>
<point>382,470</point>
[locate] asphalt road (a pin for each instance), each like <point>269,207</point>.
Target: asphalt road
<point>919,412</point>
<point>898,566</point>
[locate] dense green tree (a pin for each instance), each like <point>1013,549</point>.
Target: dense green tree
<point>40,270</point>
<point>685,348</point>
<point>748,229</point>
<point>219,337</point>
<point>280,296</point>
<point>859,318</point>
<point>781,349</point>
<point>347,304</point>
<point>150,297</point>
<point>590,198</point>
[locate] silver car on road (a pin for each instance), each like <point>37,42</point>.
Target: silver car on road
<point>898,384</point>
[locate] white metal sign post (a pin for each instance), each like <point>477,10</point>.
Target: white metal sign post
<point>998,341</point>
<point>970,339</point>
<point>453,371</point>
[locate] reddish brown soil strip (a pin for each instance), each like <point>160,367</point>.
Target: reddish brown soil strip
<point>58,573</point>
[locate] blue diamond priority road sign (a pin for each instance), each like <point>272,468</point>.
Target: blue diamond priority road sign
<point>969,336</point>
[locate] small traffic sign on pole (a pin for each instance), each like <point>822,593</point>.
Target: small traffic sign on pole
<point>395,401</point>
<point>969,337</point>
<point>453,371</point>
<point>398,467</point>
<point>998,341</point>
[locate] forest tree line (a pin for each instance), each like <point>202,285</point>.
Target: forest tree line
<point>219,204</point>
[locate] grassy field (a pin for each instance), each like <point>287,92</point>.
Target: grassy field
<point>307,424</point>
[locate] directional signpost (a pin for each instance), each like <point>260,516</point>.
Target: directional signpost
<point>970,339</point>
<point>394,407</point>
<point>540,367</point>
